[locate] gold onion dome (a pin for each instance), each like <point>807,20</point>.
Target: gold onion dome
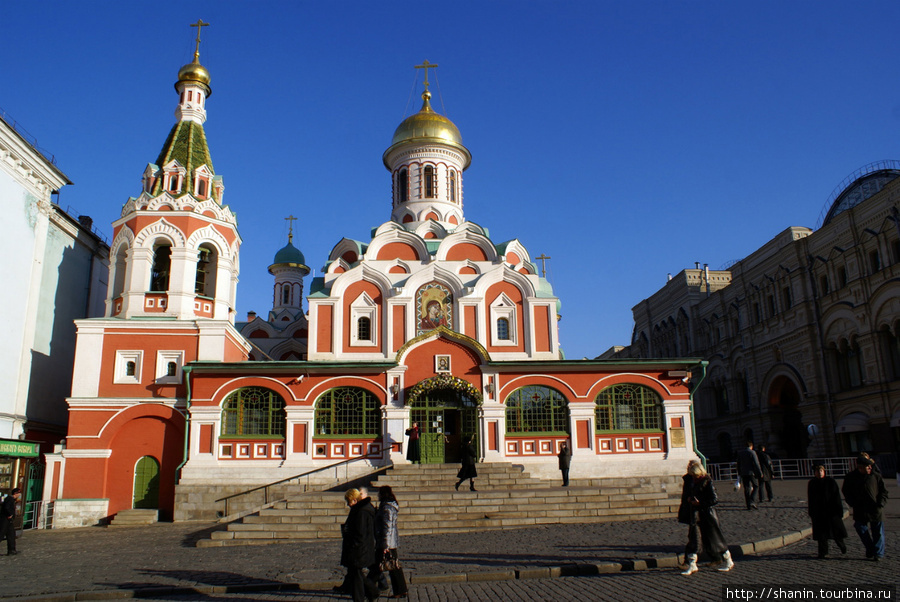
<point>428,126</point>
<point>194,72</point>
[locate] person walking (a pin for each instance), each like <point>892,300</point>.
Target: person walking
<point>8,520</point>
<point>865,492</point>
<point>467,470</point>
<point>697,510</point>
<point>387,540</point>
<point>826,511</point>
<point>749,471</point>
<point>565,459</point>
<point>413,450</point>
<point>767,473</point>
<point>358,545</point>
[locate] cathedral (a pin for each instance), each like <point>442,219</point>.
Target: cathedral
<point>430,322</point>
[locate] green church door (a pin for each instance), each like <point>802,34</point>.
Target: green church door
<point>444,417</point>
<point>146,483</point>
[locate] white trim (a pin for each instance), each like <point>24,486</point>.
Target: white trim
<point>123,358</point>
<point>162,363</point>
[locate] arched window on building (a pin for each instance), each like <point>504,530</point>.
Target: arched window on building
<point>348,411</point>
<point>452,194</point>
<point>846,360</point>
<point>403,185</point>
<point>891,345</point>
<point>364,329</point>
<point>162,264</point>
<point>285,294</point>
<point>628,407</point>
<point>537,409</point>
<point>429,181</point>
<point>205,281</point>
<point>253,412</point>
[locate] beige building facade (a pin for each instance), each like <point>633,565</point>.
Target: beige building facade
<point>801,336</point>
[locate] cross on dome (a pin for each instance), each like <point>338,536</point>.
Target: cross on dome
<point>199,24</point>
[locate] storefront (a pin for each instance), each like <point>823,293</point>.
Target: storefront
<point>16,460</point>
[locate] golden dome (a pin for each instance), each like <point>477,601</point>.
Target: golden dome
<point>428,126</point>
<point>196,73</point>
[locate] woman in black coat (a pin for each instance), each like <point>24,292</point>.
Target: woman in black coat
<point>467,470</point>
<point>358,545</point>
<point>826,511</point>
<point>698,500</point>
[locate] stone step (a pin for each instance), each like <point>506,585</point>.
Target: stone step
<point>134,517</point>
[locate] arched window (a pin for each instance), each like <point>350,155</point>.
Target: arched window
<point>253,411</point>
<point>130,369</point>
<point>171,369</point>
<point>364,329</point>
<point>159,276</point>
<point>285,295</point>
<point>403,185</point>
<point>503,329</point>
<point>453,185</point>
<point>348,411</point>
<point>429,182</point>
<point>121,266</point>
<point>173,182</point>
<point>201,187</point>
<point>628,407</point>
<point>205,282</point>
<point>891,345</point>
<point>537,409</point>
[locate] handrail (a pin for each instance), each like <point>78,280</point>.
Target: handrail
<point>266,487</point>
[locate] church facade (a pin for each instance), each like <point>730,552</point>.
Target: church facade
<point>430,322</point>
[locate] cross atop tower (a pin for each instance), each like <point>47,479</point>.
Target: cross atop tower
<point>426,66</point>
<point>543,258</point>
<point>199,24</point>
<point>290,219</point>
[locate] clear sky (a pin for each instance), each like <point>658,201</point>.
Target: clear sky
<point>625,140</point>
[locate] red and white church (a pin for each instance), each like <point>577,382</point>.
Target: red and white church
<point>430,321</point>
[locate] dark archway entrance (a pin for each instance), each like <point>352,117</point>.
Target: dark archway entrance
<point>786,419</point>
<point>446,409</point>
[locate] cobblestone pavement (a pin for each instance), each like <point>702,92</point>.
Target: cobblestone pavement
<point>100,562</point>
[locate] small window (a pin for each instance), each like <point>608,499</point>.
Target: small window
<point>364,329</point>
<point>429,177</point>
<point>874,261</point>
<point>842,276</point>
<point>286,295</point>
<point>201,187</point>
<point>453,185</point>
<point>895,250</point>
<point>403,185</point>
<point>171,369</point>
<point>173,183</point>
<point>823,284</point>
<point>786,297</point>
<point>757,315</point>
<point>772,307</point>
<point>503,329</point>
<point>130,369</point>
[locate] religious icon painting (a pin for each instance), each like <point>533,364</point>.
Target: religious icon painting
<point>434,307</point>
<point>442,363</point>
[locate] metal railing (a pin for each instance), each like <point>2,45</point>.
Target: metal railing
<point>37,515</point>
<point>265,489</point>
<point>789,468</point>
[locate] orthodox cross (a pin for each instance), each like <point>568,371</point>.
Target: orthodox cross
<point>290,220</point>
<point>543,259</point>
<point>199,24</point>
<point>426,66</point>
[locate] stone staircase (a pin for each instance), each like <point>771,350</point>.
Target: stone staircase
<point>507,497</point>
<point>134,517</point>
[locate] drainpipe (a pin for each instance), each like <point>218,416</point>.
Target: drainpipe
<point>703,459</point>
<point>186,372</point>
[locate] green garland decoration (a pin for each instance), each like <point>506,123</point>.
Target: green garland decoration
<point>445,381</point>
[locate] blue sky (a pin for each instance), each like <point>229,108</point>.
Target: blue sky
<point>626,140</point>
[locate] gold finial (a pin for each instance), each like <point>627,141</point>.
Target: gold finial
<point>199,24</point>
<point>426,66</point>
<point>543,259</point>
<point>290,219</point>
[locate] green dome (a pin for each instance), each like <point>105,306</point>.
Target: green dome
<point>290,255</point>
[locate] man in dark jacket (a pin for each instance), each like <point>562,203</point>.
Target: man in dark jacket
<point>767,471</point>
<point>750,472</point>
<point>565,459</point>
<point>358,549</point>
<point>865,492</point>
<point>8,520</point>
